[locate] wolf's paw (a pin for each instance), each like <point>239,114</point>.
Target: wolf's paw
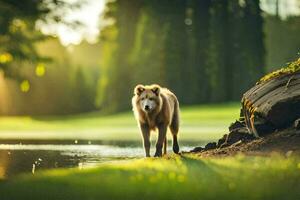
<point>176,148</point>
<point>158,154</point>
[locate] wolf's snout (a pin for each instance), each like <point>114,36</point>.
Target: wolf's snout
<point>147,107</point>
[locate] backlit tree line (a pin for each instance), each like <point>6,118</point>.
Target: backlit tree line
<point>205,51</point>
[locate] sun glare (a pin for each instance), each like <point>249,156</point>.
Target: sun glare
<point>89,15</point>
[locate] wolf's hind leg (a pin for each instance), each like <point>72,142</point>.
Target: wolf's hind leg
<point>165,145</point>
<point>174,127</point>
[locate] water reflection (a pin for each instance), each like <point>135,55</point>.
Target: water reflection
<point>31,156</point>
<point>14,162</point>
<point>15,159</point>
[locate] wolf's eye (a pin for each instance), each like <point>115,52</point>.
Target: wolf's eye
<point>151,99</point>
<point>143,98</point>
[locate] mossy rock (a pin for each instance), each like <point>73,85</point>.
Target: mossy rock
<point>274,102</point>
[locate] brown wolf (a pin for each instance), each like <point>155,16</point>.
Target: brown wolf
<point>156,108</point>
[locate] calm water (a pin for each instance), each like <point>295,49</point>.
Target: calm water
<point>31,156</point>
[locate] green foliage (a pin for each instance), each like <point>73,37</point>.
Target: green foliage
<point>146,51</point>
<point>65,85</point>
<point>117,40</point>
<point>198,49</point>
<point>174,177</point>
<point>37,86</point>
<point>18,34</point>
<point>82,92</point>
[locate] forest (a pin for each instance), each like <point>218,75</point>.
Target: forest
<point>195,48</point>
<point>68,69</point>
<point>205,51</point>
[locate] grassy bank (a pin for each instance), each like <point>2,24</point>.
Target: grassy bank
<point>176,177</point>
<point>204,122</point>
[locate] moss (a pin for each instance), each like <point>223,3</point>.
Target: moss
<point>289,69</point>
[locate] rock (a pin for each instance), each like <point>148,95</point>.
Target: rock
<point>236,125</point>
<point>197,149</point>
<point>234,136</point>
<point>222,140</point>
<point>297,124</point>
<point>211,145</point>
<point>237,135</point>
<point>272,104</point>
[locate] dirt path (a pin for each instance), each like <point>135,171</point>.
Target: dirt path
<point>286,142</point>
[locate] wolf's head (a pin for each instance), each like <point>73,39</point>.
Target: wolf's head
<point>148,97</point>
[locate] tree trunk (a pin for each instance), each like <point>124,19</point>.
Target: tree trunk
<point>272,104</point>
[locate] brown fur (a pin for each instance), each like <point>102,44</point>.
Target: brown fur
<point>164,115</point>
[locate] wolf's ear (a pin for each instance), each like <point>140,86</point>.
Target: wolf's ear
<point>139,89</point>
<point>156,89</point>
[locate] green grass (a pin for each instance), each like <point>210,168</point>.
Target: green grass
<point>204,122</point>
<point>175,177</point>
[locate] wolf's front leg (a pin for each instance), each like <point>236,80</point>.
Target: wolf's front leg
<point>146,137</point>
<point>162,131</point>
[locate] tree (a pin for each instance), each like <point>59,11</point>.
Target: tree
<point>116,77</point>
<point>82,92</point>
<point>235,71</point>
<point>175,47</point>
<point>253,43</point>
<point>236,54</point>
<point>17,29</point>
<point>148,55</point>
<point>218,52</point>
<point>199,53</point>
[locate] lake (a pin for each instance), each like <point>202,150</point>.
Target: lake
<point>30,156</point>
<point>86,140</point>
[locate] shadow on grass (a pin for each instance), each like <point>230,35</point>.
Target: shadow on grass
<point>168,178</point>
